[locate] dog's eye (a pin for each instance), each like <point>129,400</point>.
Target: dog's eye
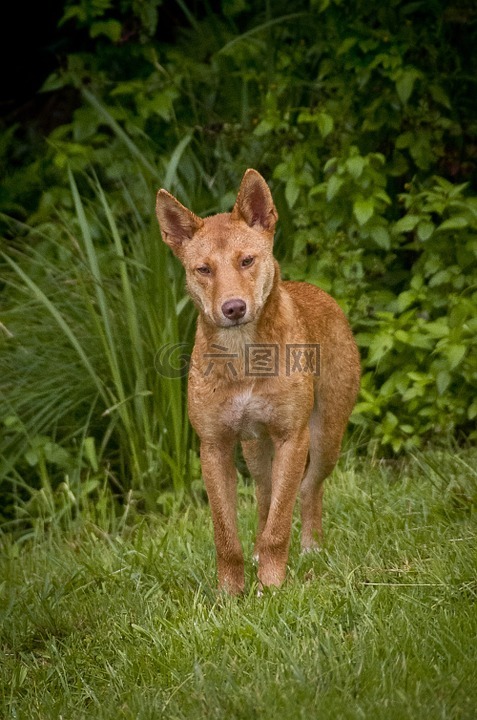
<point>203,270</point>
<point>247,261</point>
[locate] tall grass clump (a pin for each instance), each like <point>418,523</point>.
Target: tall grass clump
<point>94,336</point>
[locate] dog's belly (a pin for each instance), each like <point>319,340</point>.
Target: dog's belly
<point>247,415</point>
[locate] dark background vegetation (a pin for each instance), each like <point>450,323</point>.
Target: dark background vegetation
<point>363,118</point>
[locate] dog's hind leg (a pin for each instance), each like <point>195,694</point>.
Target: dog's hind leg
<point>325,444</point>
<point>258,455</point>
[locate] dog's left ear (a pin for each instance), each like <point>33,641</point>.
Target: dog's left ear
<point>254,203</point>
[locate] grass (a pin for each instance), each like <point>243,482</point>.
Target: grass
<point>127,623</point>
<point>92,303</point>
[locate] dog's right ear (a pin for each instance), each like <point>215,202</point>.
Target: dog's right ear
<point>177,223</point>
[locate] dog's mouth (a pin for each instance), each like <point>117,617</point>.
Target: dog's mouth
<point>226,323</point>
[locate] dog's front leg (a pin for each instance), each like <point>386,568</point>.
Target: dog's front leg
<point>220,479</point>
<point>287,472</point>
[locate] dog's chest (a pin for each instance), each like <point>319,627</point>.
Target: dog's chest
<point>247,414</point>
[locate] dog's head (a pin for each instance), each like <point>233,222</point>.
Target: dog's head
<point>227,257</point>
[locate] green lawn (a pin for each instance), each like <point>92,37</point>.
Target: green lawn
<point>381,624</point>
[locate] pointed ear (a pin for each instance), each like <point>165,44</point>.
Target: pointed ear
<point>254,203</point>
<point>177,223</point>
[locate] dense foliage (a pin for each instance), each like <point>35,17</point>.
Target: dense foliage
<point>362,117</point>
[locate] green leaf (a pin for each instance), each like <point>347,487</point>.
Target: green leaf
<point>404,140</point>
<point>422,379</point>
<point>389,423</point>
<point>381,237</point>
<point>405,84</point>
<point>346,45</point>
<point>355,166</point>
<point>55,81</point>
<point>333,186</point>
<point>438,94</point>
<point>412,393</point>
<point>363,209</point>
<point>292,190</point>
<point>396,444</point>
<point>440,278</point>
<point>424,230</point>
<point>382,195</point>
<point>437,329</point>
<point>330,165</point>
<point>366,407</point>
<point>264,128</point>
<point>406,223</point>
<point>86,123</point>
<point>306,117</point>
<point>455,355</point>
<point>325,123</point>
<point>380,346</point>
<point>418,340</point>
<point>111,28</point>
<point>75,11</point>
<point>443,380</point>
<point>460,312</point>
<point>455,223</point>
<point>405,300</point>
<point>417,281</point>
<point>364,339</point>
<point>472,410</point>
<point>402,336</point>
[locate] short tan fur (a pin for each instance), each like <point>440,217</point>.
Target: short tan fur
<point>288,414</point>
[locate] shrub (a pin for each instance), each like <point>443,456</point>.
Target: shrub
<point>359,115</point>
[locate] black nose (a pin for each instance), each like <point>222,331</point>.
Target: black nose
<point>234,309</point>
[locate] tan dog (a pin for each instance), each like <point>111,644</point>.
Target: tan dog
<point>274,365</point>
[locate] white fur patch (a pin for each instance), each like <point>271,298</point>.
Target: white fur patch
<point>247,413</point>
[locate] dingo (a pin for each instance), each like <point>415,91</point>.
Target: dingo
<point>274,366</point>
